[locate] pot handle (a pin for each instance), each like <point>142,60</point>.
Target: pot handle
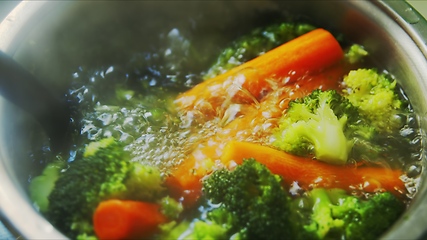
<point>22,89</point>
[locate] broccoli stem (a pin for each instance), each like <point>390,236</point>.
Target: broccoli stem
<point>327,135</point>
<point>311,126</point>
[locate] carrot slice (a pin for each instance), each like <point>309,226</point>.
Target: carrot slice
<point>124,219</point>
<point>310,52</point>
<point>311,173</point>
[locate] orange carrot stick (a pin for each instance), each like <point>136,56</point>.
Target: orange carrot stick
<point>311,173</point>
<point>124,219</point>
<point>185,181</point>
<point>310,52</point>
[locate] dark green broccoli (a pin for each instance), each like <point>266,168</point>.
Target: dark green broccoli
<point>322,123</point>
<point>236,209</point>
<point>258,42</point>
<point>103,172</point>
<point>255,199</point>
<point>333,214</point>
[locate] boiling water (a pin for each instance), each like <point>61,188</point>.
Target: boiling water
<point>164,59</point>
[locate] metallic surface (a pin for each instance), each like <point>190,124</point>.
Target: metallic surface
<point>392,31</point>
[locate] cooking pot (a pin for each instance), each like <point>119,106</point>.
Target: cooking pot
<point>54,38</point>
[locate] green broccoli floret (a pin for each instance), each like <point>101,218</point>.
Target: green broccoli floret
<point>170,207</point>
<point>333,214</point>
<point>383,107</point>
<point>103,172</point>
<point>375,94</point>
<point>355,54</point>
<point>258,42</point>
<point>213,223</point>
<point>255,199</point>
<point>317,124</point>
<point>144,183</point>
<point>42,185</point>
<point>327,125</point>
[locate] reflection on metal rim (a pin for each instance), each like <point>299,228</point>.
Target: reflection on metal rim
<point>16,209</point>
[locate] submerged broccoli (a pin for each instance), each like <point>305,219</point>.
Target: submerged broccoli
<point>103,172</point>
<point>333,214</point>
<point>382,106</point>
<point>217,225</point>
<point>355,54</point>
<point>42,185</point>
<point>365,122</point>
<point>317,124</point>
<point>254,197</point>
<point>375,95</point>
<point>258,42</point>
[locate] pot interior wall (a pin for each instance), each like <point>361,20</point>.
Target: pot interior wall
<point>92,34</point>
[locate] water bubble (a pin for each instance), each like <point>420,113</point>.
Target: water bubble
<point>105,118</point>
<point>109,70</point>
<point>413,170</point>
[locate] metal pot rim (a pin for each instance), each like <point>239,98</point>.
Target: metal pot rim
<point>23,220</point>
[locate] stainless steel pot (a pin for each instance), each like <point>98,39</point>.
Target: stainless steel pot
<point>53,38</point>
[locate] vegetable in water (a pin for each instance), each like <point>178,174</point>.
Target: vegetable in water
<point>375,95</point>
<point>217,224</point>
<point>42,185</point>
<point>306,172</point>
<point>356,53</point>
<point>382,106</point>
<point>316,124</point>
<point>338,126</point>
<point>333,214</point>
<point>104,172</point>
<point>243,167</point>
<point>254,44</point>
<point>310,52</point>
<point>125,219</point>
<point>255,198</point>
<point>207,99</point>
<point>240,204</point>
